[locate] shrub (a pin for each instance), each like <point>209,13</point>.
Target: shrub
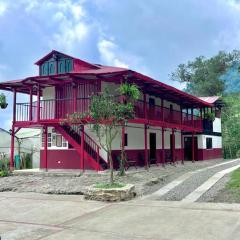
<point>4,167</point>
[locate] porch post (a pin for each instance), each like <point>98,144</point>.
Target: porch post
<point>30,100</point>
<point>193,147</point>
<point>163,150</point>
<point>181,115</point>
<point>45,132</point>
<point>14,105</point>
<point>38,104</point>
<point>145,105</point>
<point>13,131</point>
<point>173,146</point>
<point>12,148</point>
<point>192,117</point>
<point>82,149</point>
<point>145,146</point>
<point>162,109</point>
<point>182,147</point>
<point>201,113</point>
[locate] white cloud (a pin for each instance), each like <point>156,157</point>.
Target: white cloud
<point>3,7</point>
<point>108,53</point>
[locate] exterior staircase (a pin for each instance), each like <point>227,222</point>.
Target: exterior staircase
<point>73,134</point>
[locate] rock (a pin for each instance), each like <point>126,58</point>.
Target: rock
<point>153,181</point>
<point>111,194</point>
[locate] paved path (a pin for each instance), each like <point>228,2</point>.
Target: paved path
<point>192,185</point>
<point>32,216</point>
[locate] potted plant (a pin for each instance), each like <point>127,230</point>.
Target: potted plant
<point>3,103</point>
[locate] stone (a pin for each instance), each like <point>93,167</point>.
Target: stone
<point>111,194</point>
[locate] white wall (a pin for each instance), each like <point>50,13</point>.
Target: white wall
<point>217,125</point>
<point>216,141</point>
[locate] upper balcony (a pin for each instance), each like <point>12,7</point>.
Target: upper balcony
<point>53,111</point>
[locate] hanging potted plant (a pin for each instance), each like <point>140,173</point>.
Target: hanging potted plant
<point>3,103</point>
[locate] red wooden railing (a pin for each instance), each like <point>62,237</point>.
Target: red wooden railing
<point>59,108</point>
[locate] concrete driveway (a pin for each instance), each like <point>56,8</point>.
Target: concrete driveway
<point>50,217</point>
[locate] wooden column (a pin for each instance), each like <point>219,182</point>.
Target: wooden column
<point>173,146</point>
<point>13,131</point>
<point>145,146</point>
<point>181,116</point>
<point>193,147</point>
<point>82,149</point>
<point>38,104</point>
<point>162,108</point>
<point>145,105</point>
<point>182,147</point>
<point>31,101</point>
<point>192,117</point>
<point>163,148</point>
<point>45,133</point>
<point>201,113</point>
<point>12,149</point>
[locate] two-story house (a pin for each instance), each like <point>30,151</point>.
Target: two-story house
<point>167,121</point>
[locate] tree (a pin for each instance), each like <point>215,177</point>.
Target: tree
<point>231,125</point>
<point>203,76</point>
<point>130,93</point>
<point>107,115</point>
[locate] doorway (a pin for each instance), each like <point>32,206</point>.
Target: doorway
<point>188,148</point>
<point>152,146</point>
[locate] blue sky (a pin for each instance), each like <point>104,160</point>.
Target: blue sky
<point>150,36</point>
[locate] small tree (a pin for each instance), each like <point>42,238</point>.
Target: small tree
<point>107,115</point>
<point>130,93</point>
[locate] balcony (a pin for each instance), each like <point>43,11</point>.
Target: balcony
<point>57,109</point>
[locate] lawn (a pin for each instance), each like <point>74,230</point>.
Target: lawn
<point>234,181</point>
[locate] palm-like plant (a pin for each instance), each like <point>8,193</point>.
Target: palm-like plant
<point>3,102</point>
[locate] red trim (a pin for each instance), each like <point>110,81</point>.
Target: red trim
<point>145,146</point>
<point>193,148</point>
<point>12,149</point>
<point>45,132</point>
<point>207,154</point>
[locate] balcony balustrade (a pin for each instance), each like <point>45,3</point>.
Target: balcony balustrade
<point>57,109</point>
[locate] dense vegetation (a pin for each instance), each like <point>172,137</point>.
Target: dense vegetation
<point>217,76</point>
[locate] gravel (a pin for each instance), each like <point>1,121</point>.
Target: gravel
<point>189,185</point>
<point>215,190</point>
<point>145,182</point>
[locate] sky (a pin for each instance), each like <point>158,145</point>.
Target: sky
<point>149,36</point>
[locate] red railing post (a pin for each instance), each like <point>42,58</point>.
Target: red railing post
<point>192,117</point>
<point>38,104</point>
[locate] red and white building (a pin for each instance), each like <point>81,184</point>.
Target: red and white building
<point>167,120</point>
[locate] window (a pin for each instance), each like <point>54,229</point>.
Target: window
<point>59,140</point>
<point>209,143</point>
<point>51,68</point>
<point>68,65</point>
<point>125,139</point>
<point>49,138</point>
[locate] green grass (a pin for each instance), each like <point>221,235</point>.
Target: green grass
<point>235,180</point>
<point>108,185</point>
